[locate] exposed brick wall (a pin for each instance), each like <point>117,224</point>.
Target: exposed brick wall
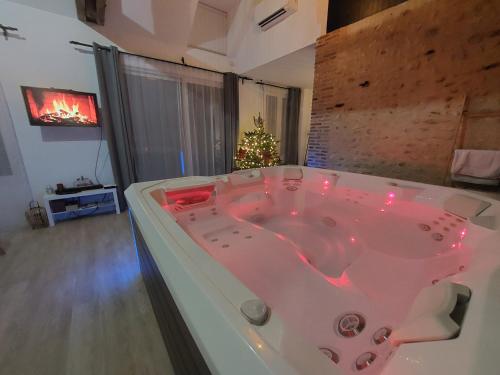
<point>397,92</point>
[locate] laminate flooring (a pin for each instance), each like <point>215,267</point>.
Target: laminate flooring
<point>72,301</point>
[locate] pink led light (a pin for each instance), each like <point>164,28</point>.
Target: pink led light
<point>303,259</point>
<point>353,240</point>
<point>391,195</point>
<point>294,212</point>
<point>280,236</point>
<point>463,233</point>
<point>185,197</point>
<point>341,282</point>
<point>382,210</point>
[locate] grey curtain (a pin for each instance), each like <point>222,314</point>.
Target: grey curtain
<point>231,118</point>
<point>117,121</point>
<point>283,128</point>
<point>292,126</point>
<point>5,169</point>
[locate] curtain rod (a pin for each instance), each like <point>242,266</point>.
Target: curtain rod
<point>146,57</point>
<point>270,84</point>
<point>261,82</point>
<point>176,63</point>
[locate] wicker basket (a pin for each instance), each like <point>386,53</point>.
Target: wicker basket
<point>37,216</point>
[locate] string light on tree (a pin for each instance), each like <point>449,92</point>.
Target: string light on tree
<point>257,148</point>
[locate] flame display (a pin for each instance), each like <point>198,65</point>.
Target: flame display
<point>53,107</point>
<point>61,110</point>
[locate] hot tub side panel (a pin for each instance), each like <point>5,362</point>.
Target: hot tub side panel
<point>183,352</point>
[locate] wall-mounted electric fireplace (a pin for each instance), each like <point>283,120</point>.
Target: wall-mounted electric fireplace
<point>58,107</point>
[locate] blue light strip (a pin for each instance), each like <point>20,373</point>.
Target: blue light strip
<point>181,157</point>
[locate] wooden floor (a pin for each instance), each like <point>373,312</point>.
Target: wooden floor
<point>72,301</point>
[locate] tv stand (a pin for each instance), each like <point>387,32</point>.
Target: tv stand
<point>80,204</point>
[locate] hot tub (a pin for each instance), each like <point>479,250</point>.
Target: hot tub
<point>293,270</point>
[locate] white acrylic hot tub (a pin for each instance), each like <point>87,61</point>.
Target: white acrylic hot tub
<point>363,269</point>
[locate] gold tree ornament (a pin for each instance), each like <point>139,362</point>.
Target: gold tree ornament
<point>257,148</point>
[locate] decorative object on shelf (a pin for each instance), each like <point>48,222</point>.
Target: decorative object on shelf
<point>61,190</point>
<point>37,216</point>
<point>83,181</point>
<point>257,148</point>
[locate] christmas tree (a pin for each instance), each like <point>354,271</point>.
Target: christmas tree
<point>257,148</point>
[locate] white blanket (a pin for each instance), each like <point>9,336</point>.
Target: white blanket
<point>477,163</point>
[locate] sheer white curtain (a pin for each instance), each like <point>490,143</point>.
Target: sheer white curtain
<point>275,114</point>
<point>177,116</point>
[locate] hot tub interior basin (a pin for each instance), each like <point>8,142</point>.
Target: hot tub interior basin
<point>340,265</point>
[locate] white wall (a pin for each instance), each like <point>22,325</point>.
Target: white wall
<point>249,47</point>
<point>45,59</point>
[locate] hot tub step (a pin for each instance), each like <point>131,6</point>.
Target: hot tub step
<point>436,314</point>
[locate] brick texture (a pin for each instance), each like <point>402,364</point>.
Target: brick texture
<point>397,92</point>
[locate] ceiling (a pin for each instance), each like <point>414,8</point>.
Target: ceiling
<point>159,28</point>
<point>224,5</point>
<point>68,8</point>
<point>295,69</point>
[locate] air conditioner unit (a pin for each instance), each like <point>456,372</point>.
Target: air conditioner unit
<point>271,12</point>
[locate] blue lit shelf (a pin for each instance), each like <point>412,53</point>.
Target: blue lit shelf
<point>93,202</point>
